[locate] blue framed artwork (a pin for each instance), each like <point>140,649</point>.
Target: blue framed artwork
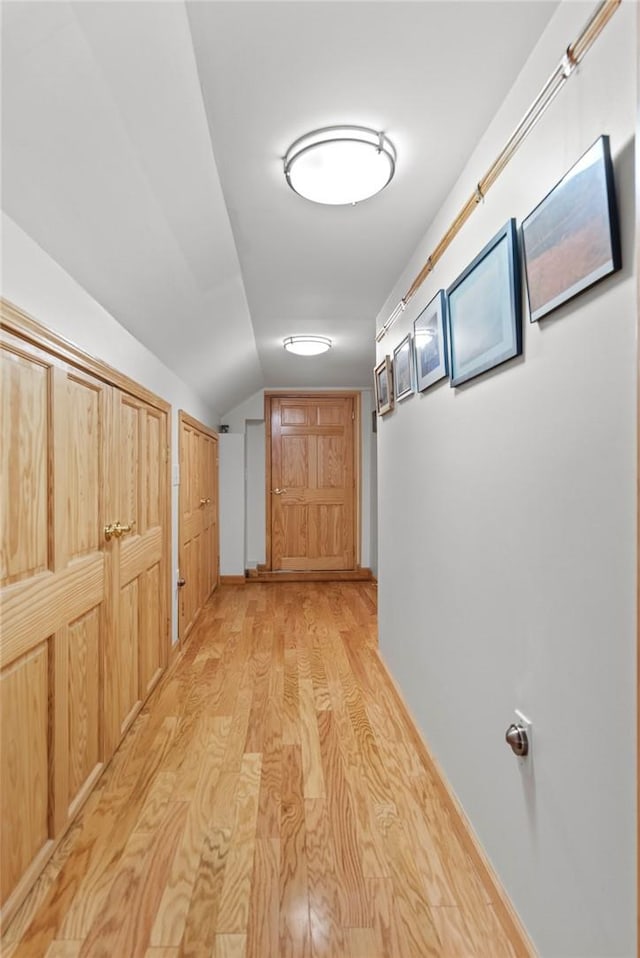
<point>403,368</point>
<point>430,343</point>
<point>484,309</point>
<point>572,238</point>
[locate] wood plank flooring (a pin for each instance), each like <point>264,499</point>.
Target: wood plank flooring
<point>268,803</point>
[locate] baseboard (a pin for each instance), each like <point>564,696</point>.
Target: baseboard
<point>350,575</point>
<point>504,910</point>
<point>232,580</point>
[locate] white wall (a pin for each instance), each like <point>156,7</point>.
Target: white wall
<point>507,512</point>
<point>255,549</point>
<point>248,418</point>
<point>33,281</point>
<point>232,507</point>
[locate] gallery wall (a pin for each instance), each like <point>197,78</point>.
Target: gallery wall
<point>35,283</point>
<point>507,523</point>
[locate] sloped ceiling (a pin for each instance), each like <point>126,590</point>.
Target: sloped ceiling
<point>142,145</point>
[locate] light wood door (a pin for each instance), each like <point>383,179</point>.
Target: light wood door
<point>313,483</point>
<point>137,491</point>
<point>198,550</point>
<point>53,591</point>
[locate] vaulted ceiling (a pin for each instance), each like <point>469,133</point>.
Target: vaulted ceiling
<point>142,148</point>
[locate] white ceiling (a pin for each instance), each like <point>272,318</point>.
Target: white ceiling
<point>142,145</point>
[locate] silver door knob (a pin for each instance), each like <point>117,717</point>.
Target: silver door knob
<point>278,492</point>
<point>516,736</point>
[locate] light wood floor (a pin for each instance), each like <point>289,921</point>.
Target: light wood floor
<point>269,803</point>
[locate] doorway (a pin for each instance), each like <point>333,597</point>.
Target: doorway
<point>312,482</point>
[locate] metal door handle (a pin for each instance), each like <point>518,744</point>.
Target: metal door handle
<point>203,502</point>
<point>516,736</point>
<point>117,530</point>
<point>181,582</point>
<point>278,492</point>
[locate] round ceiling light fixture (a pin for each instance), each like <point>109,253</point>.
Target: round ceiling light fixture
<point>340,165</point>
<point>307,345</point>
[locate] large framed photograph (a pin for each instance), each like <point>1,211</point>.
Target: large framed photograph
<point>403,368</point>
<point>430,343</point>
<point>383,379</point>
<point>572,238</point>
<point>484,309</point>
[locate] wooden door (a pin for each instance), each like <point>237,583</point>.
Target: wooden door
<point>313,495</point>
<point>137,492</point>
<point>53,589</point>
<point>198,548</point>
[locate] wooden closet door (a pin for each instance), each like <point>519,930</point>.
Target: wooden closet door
<point>210,516</point>
<point>139,638</point>
<point>198,549</point>
<point>52,601</point>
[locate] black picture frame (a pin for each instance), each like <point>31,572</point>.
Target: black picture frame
<point>403,369</point>
<point>430,343</point>
<point>571,240</point>
<point>484,309</point>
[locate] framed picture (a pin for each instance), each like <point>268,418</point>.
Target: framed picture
<point>430,343</point>
<point>484,309</point>
<point>403,368</point>
<point>383,378</point>
<point>572,238</point>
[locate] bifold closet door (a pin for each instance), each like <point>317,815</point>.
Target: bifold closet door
<point>53,591</point>
<point>136,496</point>
<point>198,549</point>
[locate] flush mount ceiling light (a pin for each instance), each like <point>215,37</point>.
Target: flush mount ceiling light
<point>306,345</point>
<point>340,165</point>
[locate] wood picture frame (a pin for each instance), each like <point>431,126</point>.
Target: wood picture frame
<point>431,352</point>
<point>403,369</point>
<point>484,309</point>
<point>383,382</point>
<point>571,240</point>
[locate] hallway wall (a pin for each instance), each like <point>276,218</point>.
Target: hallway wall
<point>507,512</point>
<point>35,283</point>
<point>248,418</point>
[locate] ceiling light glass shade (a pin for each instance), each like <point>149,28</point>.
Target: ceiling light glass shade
<point>307,345</point>
<point>340,165</point>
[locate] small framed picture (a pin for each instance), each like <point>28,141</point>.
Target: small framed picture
<point>484,309</point>
<point>383,378</point>
<point>403,368</point>
<point>572,239</point>
<point>430,343</point>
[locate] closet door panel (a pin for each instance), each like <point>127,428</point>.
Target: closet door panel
<point>24,765</point>
<point>24,506</point>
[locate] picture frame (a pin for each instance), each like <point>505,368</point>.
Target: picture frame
<point>571,240</point>
<point>383,384</point>
<point>430,344</point>
<point>403,369</point>
<point>484,309</point>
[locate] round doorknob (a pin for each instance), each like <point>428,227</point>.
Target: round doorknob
<point>516,736</point>
<point>181,582</point>
<point>278,492</point>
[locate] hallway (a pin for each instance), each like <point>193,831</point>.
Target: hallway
<point>269,801</point>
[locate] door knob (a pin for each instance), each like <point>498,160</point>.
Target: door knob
<point>278,492</point>
<point>203,502</point>
<point>516,736</point>
<point>117,530</point>
<point>181,583</point>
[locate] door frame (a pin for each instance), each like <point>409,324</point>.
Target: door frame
<point>185,419</point>
<point>353,394</point>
